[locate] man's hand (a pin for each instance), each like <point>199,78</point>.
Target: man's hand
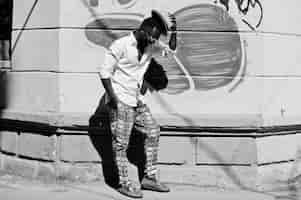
<point>173,21</point>
<point>113,102</point>
<point>173,37</point>
<point>140,103</point>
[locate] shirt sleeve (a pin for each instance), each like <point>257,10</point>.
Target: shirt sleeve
<point>163,49</point>
<point>112,56</point>
<point>141,97</point>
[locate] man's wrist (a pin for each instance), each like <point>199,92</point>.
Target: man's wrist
<point>112,97</point>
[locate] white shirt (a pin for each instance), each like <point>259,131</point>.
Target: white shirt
<point>121,64</point>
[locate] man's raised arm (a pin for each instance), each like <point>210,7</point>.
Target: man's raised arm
<point>173,37</point>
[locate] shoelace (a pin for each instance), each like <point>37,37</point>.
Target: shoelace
<point>130,186</point>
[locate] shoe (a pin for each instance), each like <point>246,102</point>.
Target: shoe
<point>151,183</point>
<point>129,190</point>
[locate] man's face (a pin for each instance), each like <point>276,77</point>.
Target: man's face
<point>149,37</point>
<point>154,36</point>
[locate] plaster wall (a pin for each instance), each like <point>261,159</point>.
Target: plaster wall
<point>260,92</point>
<point>238,74</point>
<point>31,84</point>
<point>242,68</point>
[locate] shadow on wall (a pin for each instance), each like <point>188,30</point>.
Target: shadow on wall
<point>3,91</point>
<point>102,142</point>
<point>229,171</point>
<point>99,31</point>
<point>289,189</point>
<point>293,184</point>
<point>6,10</point>
<point>3,98</point>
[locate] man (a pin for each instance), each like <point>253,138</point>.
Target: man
<point>122,76</point>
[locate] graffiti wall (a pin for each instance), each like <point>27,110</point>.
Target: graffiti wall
<point>236,62</point>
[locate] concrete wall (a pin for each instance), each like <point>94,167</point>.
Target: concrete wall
<point>218,84</point>
<point>239,69</point>
<point>32,87</point>
<point>231,69</point>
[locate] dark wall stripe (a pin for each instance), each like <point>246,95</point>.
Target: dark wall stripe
<point>179,30</point>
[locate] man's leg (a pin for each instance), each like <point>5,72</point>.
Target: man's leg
<point>147,125</point>
<point>121,122</point>
<point>135,152</point>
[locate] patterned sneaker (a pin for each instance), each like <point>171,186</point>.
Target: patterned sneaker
<point>128,189</point>
<point>151,183</point>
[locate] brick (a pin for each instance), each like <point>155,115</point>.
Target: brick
<point>276,148</point>
<point>224,150</point>
<point>46,171</point>
<point>80,172</point>
<point>78,148</point>
<point>297,165</point>
<point>21,167</point>
<point>8,141</point>
<point>37,146</point>
<point>276,176</point>
<point>32,92</point>
<point>177,150</point>
<point>209,176</point>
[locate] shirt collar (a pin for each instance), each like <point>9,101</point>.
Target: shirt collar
<point>133,39</point>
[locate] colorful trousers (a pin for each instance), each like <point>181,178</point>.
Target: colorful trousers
<point>122,121</point>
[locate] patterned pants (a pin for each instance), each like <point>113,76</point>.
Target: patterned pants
<point>122,121</point>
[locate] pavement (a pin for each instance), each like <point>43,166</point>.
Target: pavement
<point>18,188</point>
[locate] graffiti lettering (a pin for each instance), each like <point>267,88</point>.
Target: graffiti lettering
<point>244,7</point>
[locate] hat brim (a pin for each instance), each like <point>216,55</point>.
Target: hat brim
<point>160,19</point>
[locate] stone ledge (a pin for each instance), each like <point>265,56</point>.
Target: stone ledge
<point>77,124</point>
<point>217,176</point>
<point>28,168</point>
<point>265,178</point>
<point>262,171</point>
<point>173,149</point>
<point>80,118</point>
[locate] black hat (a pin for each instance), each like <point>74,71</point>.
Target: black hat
<point>162,23</point>
<point>158,20</point>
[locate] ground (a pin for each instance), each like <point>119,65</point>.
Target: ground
<point>16,188</point>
